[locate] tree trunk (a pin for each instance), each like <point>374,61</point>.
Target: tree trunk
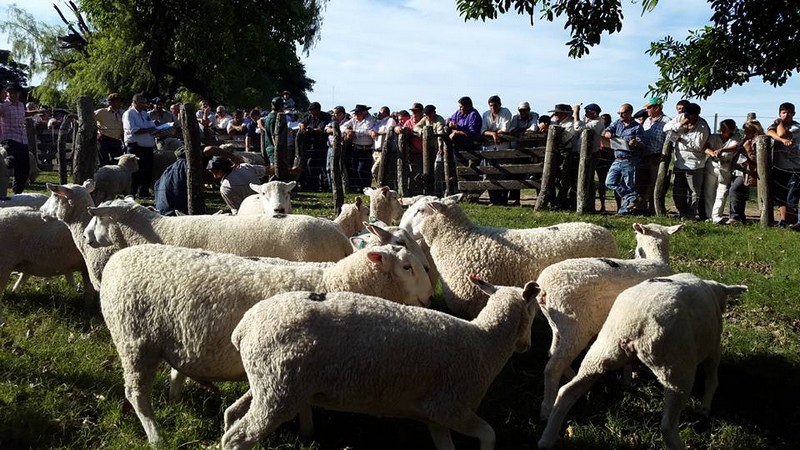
<point>194,160</point>
<point>546,191</point>
<point>84,151</point>
<point>662,179</point>
<point>585,194</point>
<point>764,164</point>
<point>337,184</point>
<point>428,154</point>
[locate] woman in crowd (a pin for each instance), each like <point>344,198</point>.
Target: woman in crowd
<point>743,172</point>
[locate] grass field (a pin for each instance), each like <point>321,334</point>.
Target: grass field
<point>61,383</point>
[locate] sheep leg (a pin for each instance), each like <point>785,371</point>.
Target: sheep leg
<point>70,280</point>
<point>673,404</point>
<point>23,277</point>
<point>472,425</point>
<point>563,352</point>
<point>441,437</point>
<point>237,409</point>
<point>710,366</point>
<point>89,294</point>
<point>177,381</point>
<point>139,372</point>
<point>261,419</point>
<point>306,418</point>
<point>567,396</point>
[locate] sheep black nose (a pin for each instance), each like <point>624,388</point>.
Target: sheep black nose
<point>280,210</point>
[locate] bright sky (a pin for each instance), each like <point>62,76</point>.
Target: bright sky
<point>394,53</point>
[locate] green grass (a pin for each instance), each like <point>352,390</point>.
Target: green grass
<point>61,383</point>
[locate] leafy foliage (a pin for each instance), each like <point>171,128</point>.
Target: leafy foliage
<point>10,70</point>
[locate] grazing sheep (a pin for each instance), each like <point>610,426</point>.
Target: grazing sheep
<point>510,257</point>
<point>37,248</point>
<point>384,205</point>
<point>110,181</point>
<point>298,351</point>
<point>270,198</point>
<point>31,200</point>
<point>577,294</point>
<point>352,217</point>
<point>124,224</point>
<point>181,305</point>
<point>671,325</point>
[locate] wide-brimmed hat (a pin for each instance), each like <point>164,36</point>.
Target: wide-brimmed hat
<point>314,106</point>
<point>361,108</point>
<point>218,162</point>
<point>561,108</point>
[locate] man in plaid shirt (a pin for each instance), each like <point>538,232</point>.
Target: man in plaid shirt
<point>14,137</point>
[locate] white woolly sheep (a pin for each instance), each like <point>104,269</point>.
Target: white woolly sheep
<point>38,248</point>
<point>577,294</point>
<point>378,235</point>
<point>671,325</point>
<point>181,305</point>
<point>352,217</point>
<point>384,205</point>
<point>294,237</point>
<point>31,200</point>
<point>299,352</point>
<point>270,198</point>
<point>112,180</point>
<point>510,257</point>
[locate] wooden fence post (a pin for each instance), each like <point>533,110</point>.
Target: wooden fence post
<point>662,179</point>
<point>84,150</point>
<point>61,146</point>
<point>764,165</point>
<point>402,162</point>
<point>546,192</point>
<point>30,131</point>
<point>281,148</point>
<point>585,194</point>
<point>380,177</point>
<point>428,154</point>
<point>194,160</point>
<point>337,184</point>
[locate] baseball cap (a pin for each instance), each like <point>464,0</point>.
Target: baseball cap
<point>416,107</point>
<point>653,101</point>
<point>593,107</point>
<point>429,109</point>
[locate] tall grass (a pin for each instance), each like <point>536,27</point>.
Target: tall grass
<point>61,381</point>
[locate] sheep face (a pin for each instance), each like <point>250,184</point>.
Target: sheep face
<point>58,206</point>
<point>399,236</point>
<point>388,201</point>
<point>406,270</point>
<point>413,216</point>
<point>275,196</point>
<point>128,161</point>
<point>429,208</point>
<point>514,294</point>
<point>98,231</point>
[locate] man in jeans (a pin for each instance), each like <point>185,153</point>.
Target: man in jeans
<point>626,137</point>
<point>690,134</point>
<point>139,140</point>
<point>14,137</point>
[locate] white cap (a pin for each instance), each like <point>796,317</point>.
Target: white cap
<point>524,105</point>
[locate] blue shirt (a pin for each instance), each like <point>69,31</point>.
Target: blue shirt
<point>631,131</point>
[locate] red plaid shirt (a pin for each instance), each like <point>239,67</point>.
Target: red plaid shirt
<point>12,122</point>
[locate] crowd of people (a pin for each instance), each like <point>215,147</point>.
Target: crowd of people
<point>709,169</point>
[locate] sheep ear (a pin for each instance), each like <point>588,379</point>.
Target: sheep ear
<point>530,292</point>
<point>89,185</point>
<point>358,243</point>
<point>453,199</point>
<point>376,258</point>
<point>675,228</point>
<point>291,185</point>
<point>735,290</point>
<point>60,190</point>
<point>255,187</point>
<point>359,202</point>
<point>368,191</point>
<point>408,201</point>
<point>637,227</point>
<point>382,234</point>
<point>385,190</point>
<point>437,206</point>
<point>483,285</point>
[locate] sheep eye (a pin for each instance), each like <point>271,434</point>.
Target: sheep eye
<point>407,267</point>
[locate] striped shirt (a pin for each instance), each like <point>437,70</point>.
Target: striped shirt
<point>12,122</point>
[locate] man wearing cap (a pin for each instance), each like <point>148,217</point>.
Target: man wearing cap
<point>313,141</point>
<point>690,134</point>
<point>14,136</point>
<point>626,138</point>
<point>565,163</point>
<point>158,114</point>
<point>316,119</point>
<point>109,130</point>
<point>785,133</point>
<point>414,139</point>
<point>591,121</point>
<point>139,140</point>
<point>524,120</point>
<point>268,135</point>
<point>235,177</point>
<point>654,137</point>
<point>358,146</point>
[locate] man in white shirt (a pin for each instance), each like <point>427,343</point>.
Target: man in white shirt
<point>235,180</point>
<point>591,121</point>
<point>139,140</point>
<point>690,134</point>
<point>496,128</point>
<point>384,123</point>
<point>358,147</point>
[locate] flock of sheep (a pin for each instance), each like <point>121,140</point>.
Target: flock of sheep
<point>334,314</point>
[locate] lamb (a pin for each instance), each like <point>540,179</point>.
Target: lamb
<point>181,305</point>
<point>671,325</point>
<point>32,200</point>
<point>294,237</point>
<point>352,217</point>
<point>272,197</point>
<point>294,343</point>
<point>577,294</point>
<point>30,244</point>
<point>384,205</point>
<point>510,257</point>
<point>110,181</point>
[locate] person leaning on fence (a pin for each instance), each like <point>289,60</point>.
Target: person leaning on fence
<point>339,117</point>
<point>138,130</point>
<point>591,121</point>
<point>496,130</point>
<point>654,137</point>
<point>785,133</point>
<point>358,146</point>
<point>626,137</point>
<point>384,123</point>
<point>14,136</point>
<point>606,158</point>
<point>690,134</point>
<point>743,173</point>
<point>564,163</point>
<point>109,130</point>
<point>720,148</point>
<point>409,125</point>
<point>465,126</point>
<point>270,139</point>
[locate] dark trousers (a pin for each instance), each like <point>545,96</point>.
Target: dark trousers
<point>359,166</point>
<point>21,161</point>
<point>415,173</point>
<point>738,193</point>
<point>108,149</point>
<point>142,178</point>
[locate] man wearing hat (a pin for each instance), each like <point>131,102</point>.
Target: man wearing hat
<point>564,196</point>
<point>109,130</point>
<point>235,177</point>
<point>591,121</point>
<point>358,146</point>
<point>14,136</point>
<point>313,140</point>
<point>316,119</point>
<point>654,137</point>
<point>268,130</point>
<point>524,119</point>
